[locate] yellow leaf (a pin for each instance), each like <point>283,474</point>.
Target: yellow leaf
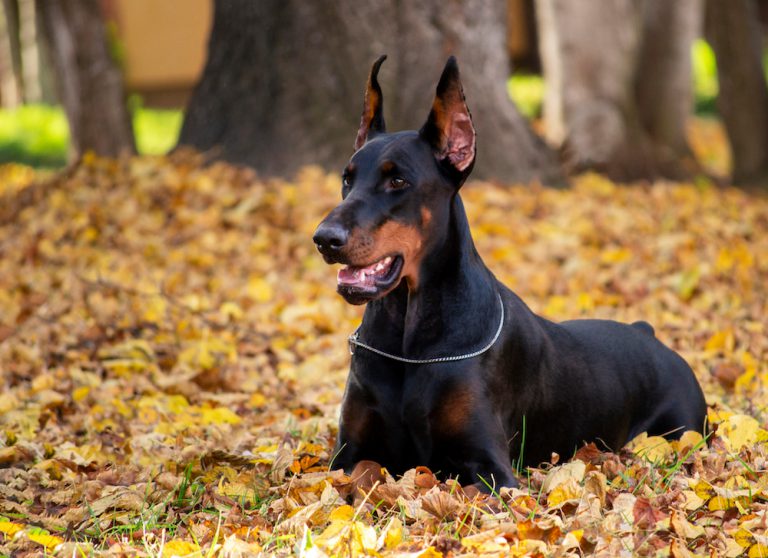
<point>744,538</point>
<point>719,503</point>
<point>180,549</point>
<point>392,535</point>
<point>739,431</point>
<point>48,541</point>
<point>556,306</point>
<point>231,310</point>
<point>689,440</point>
<point>219,415</point>
<point>80,393</point>
<point>585,302</point>
<point>558,475</point>
<point>9,529</point>
<point>257,400</point>
<point>342,513</point>
<point>716,416</point>
<point>721,341</point>
<point>687,283</point>
<point>704,490</point>
<point>155,309</point>
<point>259,289</point>
<point>758,551</point>
<point>567,491</point>
<point>615,255</point>
<point>207,353</point>
<point>653,448</point>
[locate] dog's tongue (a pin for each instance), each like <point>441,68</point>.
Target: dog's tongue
<point>363,277</point>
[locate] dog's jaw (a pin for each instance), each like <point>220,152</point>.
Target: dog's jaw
<point>362,284</point>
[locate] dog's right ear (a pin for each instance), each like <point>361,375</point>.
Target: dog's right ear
<point>449,128</point>
<point>372,121</point>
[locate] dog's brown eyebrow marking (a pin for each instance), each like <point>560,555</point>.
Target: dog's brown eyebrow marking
<point>388,168</point>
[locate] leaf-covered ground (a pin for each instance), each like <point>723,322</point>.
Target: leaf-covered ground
<point>172,357</point>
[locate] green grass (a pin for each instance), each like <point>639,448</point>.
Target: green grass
<point>527,90</point>
<point>705,86</point>
<point>156,130</point>
<point>38,135</point>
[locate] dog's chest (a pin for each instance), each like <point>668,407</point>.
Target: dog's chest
<point>416,403</point>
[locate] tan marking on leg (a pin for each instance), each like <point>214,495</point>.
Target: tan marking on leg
<point>356,418</point>
<point>454,412</point>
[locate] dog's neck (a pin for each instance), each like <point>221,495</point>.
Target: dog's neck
<point>455,308</point>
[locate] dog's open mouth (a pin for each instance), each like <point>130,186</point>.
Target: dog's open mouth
<point>370,279</point>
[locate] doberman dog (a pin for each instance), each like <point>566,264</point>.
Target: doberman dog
<point>450,369</point>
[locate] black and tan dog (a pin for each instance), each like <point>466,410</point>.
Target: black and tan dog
<point>450,369</point>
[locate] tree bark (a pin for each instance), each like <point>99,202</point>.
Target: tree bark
<point>11,87</point>
<point>274,102</point>
<point>30,59</point>
<point>732,27</point>
<point>663,84</point>
<point>601,81</point>
<point>89,84</point>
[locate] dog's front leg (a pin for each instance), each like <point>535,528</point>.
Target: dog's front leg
<point>456,429</point>
<point>478,454</point>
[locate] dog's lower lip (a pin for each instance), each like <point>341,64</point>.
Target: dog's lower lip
<point>366,277</point>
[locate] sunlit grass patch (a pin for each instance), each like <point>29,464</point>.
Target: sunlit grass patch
<point>38,135</point>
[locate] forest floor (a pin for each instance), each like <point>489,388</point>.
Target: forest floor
<point>173,354</point>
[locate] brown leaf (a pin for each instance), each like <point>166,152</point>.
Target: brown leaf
<point>588,453</point>
<point>365,475</point>
<point>645,514</point>
<point>424,478</point>
<point>727,373</point>
<point>441,504</point>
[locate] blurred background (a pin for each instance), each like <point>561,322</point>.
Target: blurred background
<point>636,89</point>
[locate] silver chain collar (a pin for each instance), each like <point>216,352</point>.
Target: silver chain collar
<point>354,342</point>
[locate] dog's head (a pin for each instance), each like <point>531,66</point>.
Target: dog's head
<point>397,191</point>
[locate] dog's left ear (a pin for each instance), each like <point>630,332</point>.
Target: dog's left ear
<point>449,128</point>
<point>372,120</point>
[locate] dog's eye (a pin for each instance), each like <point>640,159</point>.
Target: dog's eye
<point>346,180</point>
<point>397,183</point>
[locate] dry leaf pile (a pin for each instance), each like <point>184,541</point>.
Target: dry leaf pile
<point>172,356</point>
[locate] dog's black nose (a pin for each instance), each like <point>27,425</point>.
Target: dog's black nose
<point>330,237</point>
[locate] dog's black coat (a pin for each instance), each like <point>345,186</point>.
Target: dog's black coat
<point>556,385</point>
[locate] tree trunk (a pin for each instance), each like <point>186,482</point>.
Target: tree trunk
<point>274,102</point>
<point>663,84</point>
<point>89,84</point>
<point>30,59</point>
<point>732,27</point>
<point>591,53</point>
<point>11,88</point>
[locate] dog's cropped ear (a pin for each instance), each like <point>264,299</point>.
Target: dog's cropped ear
<point>449,128</point>
<point>372,120</point>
